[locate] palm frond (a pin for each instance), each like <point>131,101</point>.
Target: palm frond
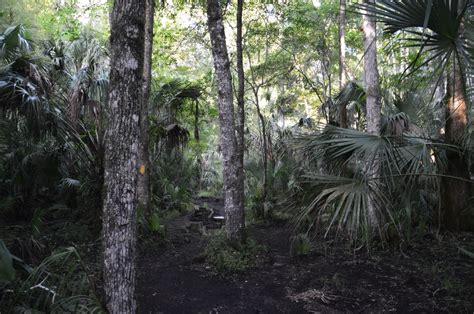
<point>432,25</point>
<point>335,183</point>
<point>13,41</point>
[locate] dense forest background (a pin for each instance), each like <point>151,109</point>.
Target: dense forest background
<point>358,138</point>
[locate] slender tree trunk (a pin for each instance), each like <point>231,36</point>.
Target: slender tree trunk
<point>261,118</point>
<point>143,153</point>
<point>265,156</point>
<point>197,138</point>
<point>234,214</point>
<point>121,154</point>
<point>342,59</point>
<point>196,121</point>
<point>373,104</point>
<point>240,118</point>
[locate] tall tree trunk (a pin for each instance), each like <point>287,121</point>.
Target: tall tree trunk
<point>234,214</point>
<point>240,118</point>
<point>342,59</point>
<point>197,138</point>
<point>455,192</point>
<point>196,121</point>
<point>143,153</point>
<point>373,104</point>
<point>265,153</point>
<point>261,118</point>
<point>121,154</point>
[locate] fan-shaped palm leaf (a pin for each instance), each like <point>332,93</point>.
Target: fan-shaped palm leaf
<point>410,168</point>
<point>432,25</point>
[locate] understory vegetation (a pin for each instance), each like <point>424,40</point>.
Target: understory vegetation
<point>335,183</point>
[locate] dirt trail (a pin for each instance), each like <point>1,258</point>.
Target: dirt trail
<point>174,278</point>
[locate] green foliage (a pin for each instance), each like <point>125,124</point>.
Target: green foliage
<point>432,25</point>
<point>60,283</point>
<point>172,192</point>
<point>336,200</point>
<point>155,224</point>
<point>49,154</point>
<point>301,245</point>
<point>7,272</point>
<point>228,259</point>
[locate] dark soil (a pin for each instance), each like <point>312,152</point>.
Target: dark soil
<point>432,277</point>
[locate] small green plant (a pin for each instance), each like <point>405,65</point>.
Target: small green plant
<point>155,224</point>
<point>229,259</point>
<point>300,245</point>
<point>37,221</point>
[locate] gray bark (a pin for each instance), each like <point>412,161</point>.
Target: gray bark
<point>234,214</point>
<point>342,59</point>
<point>240,118</point>
<point>144,173</point>
<point>261,118</point>
<point>197,138</point>
<point>121,154</point>
<point>373,104</point>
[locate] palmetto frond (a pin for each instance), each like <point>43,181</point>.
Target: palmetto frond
<point>13,42</point>
<point>351,93</point>
<point>24,80</point>
<point>336,198</point>
<point>435,26</point>
<point>174,93</point>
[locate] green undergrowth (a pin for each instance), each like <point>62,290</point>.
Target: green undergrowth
<point>208,194</point>
<point>228,259</point>
<point>60,283</point>
<point>301,245</point>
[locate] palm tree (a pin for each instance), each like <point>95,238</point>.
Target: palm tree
<point>438,28</point>
<point>373,102</point>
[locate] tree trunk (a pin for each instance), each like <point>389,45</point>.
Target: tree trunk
<point>342,59</point>
<point>455,192</point>
<point>240,118</point>
<point>265,155</point>
<point>261,213</point>
<point>121,154</point>
<point>197,138</point>
<point>373,104</point>
<point>196,121</point>
<point>143,153</point>
<point>234,214</point>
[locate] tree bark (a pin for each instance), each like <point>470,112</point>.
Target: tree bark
<point>196,121</point>
<point>143,154</point>
<point>455,192</point>
<point>121,154</point>
<point>373,104</point>
<point>261,213</point>
<point>240,118</point>
<point>342,59</point>
<point>197,138</point>
<point>234,214</point>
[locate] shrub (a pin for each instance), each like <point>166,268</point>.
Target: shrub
<point>229,259</point>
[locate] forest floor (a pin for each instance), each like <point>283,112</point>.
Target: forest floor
<point>432,276</point>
